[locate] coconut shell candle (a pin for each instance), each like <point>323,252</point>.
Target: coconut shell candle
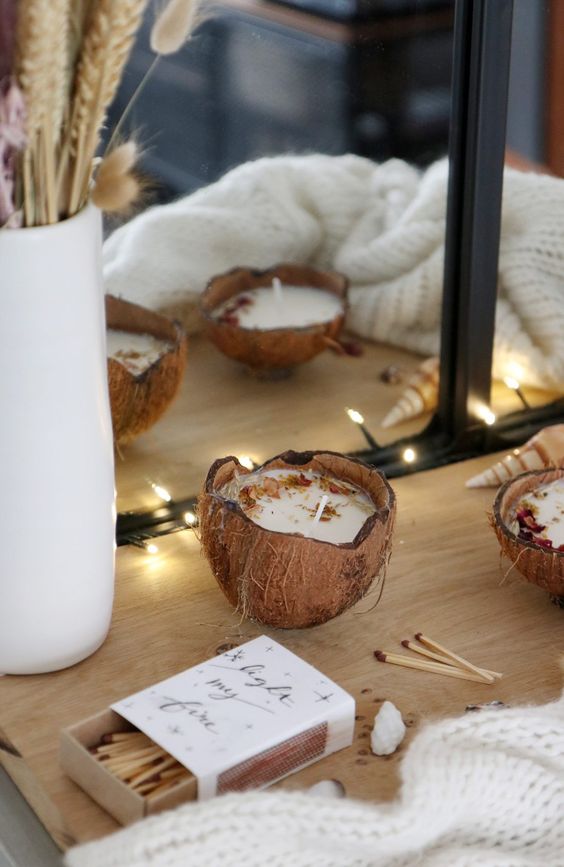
<point>298,540</point>
<point>273,320</point>
<point>528,519</point>
<point>146,362</point>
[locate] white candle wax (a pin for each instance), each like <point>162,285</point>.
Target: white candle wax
<point>287,501</point>
<point>261,308</point>
<point>539,515</point>
<point>136,352</point>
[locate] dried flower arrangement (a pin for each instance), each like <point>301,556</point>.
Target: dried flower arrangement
<point>61,62</point>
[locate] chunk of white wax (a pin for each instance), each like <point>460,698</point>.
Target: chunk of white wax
<point>261,308</point>
<point>276,500</point>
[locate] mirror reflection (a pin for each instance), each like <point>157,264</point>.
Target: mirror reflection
<point>529,353</point>
<point>312,133</point>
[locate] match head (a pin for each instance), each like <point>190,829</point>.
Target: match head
<point>418,636</point>
<point>380,655</point>
<point>406,642</point>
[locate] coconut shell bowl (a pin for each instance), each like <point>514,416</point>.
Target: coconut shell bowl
<point>270,352</point>
<point>288,579</point>
<point>516,529</point>
<point>138,399</point>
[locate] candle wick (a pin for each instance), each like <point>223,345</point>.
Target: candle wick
<point>277,289</point>
<point>323,502</point>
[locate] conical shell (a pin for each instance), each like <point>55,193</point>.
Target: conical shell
<point>421,394</point>
<point>541,566</point>
<point>273,577</point>
<point>544,449</point>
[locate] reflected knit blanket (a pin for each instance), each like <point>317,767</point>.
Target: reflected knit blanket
<point>484,790</point>
<point>381,225</point>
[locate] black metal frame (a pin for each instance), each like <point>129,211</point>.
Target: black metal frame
<point>482,45</point>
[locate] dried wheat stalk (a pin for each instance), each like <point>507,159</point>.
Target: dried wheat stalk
<point>107,43</point>
<point>43,76</point>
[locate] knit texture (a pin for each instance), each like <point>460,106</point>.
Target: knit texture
<point>381,225</point>
<point>483,790</point>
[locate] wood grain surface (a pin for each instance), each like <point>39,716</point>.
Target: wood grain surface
<point>222,410</point>
<point>444,579</point>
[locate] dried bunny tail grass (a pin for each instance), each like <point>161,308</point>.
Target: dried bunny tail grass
<point>120,161</point>
<point>116,193</point>
<point>107,44</point>
<point>116,189</point>
<point>173,26</point>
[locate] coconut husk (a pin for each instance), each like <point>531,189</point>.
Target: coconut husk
<point>138,401</point>
<point>280,348</point>
<point>284,579</point>
<point>538,565</point>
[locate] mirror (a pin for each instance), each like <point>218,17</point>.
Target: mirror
<point>293,81</point>
<point>529,358</point>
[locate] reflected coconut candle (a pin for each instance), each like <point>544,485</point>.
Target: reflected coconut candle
<point>315,505</point>
<point>273,320</point>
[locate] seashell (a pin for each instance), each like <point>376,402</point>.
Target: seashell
<point>544,449</point>
<point>273,577</point>
<point>272,353</point>
<point>138,400</point>
<point>389,730</point>
<point>420,395</point>
<point>539,565</point>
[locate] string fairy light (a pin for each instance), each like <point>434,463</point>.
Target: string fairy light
<point>357,418</point>
<point>409,455</point>
<point>514,384</point>
<point>161,492</point>
<point>190,518</point>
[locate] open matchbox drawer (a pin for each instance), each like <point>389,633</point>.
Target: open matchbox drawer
<point>105,788</point>
<point>269,712</point>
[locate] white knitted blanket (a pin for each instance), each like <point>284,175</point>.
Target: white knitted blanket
<point>381,225</point>
<point>484,790</point>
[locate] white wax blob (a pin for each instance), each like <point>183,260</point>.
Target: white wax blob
<point>287,501</point>
<point>547,505</point>
<point>290,307</point>
<point>136,352</point>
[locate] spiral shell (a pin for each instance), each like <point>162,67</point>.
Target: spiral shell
<point>544,449</point>
<point>389,730</point>
<point>421,394</point>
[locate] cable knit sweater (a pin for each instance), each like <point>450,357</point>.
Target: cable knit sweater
<point>484,790</point>
<point>381,225</point>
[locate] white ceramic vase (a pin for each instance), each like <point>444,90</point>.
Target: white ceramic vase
<point>57,497</point>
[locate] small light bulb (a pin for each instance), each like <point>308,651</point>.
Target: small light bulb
<point>161,492</point>
<point>355,416</point>
<point>511,382</point>
<point>190,518</point>
<point>409,455</point>
<point>151,548</point>
<point>246,462</point>
<point>489,417</point>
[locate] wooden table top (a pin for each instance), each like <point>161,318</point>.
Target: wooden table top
<point>444,579</point>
